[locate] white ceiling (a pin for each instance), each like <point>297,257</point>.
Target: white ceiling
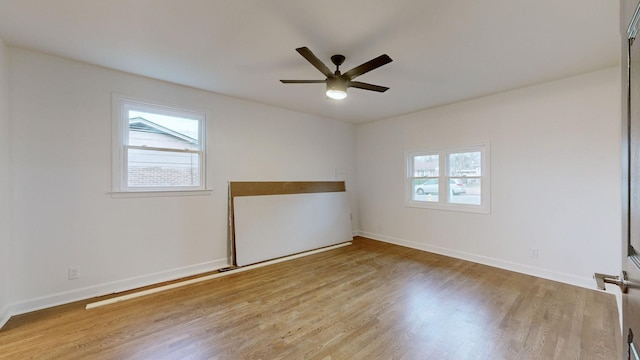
<point>443,50</point>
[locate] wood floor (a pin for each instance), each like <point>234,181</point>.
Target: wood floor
<point>370,300</point>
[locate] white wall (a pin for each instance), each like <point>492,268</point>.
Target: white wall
<point>555,152</point>
<point>61,151</point>
<point>555,178</point>
<point>4,184</point>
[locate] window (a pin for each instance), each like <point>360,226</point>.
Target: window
<point>452,179</point>
<point>157,148</point>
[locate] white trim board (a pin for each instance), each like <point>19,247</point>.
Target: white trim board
<point>208,277</point>
<point>113,287</point>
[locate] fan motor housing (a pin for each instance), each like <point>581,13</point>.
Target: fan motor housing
<point>337,83</point>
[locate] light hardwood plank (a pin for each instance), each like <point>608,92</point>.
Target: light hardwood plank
<point>370,300</point>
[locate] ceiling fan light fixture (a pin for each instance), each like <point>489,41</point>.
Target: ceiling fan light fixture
<point>337,82</point>
<point>336,88</point>
<point>336,94</point>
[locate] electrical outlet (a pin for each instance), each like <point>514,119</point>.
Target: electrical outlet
<point>533,253</point>
<point>74,273</point>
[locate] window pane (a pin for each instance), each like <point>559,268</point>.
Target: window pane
<point>426,165</point>
<point>425,190</point>
<point>465,191</point>
<point>162,131</point>
<point>151,168</point>
<point>459,186</point>
<point>465,164</point>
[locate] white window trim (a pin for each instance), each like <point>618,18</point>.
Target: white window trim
<point>443,204</point>
<point>119,154</point>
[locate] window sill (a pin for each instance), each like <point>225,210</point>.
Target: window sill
<point>478,209</point>
<point>160,193</point>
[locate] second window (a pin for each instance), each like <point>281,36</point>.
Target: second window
<point>453,179</point>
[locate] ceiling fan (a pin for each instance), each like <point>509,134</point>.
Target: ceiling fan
<point>337,83</point>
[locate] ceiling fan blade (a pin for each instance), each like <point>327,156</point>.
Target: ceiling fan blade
<point>307,54</point>
<point>365,86</point>
<point>303,81</point>
<point>368,66</point>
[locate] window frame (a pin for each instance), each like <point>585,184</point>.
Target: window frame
<point>121,105</point>
<point>444,177</point>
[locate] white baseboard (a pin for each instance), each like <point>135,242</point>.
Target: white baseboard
<point>502,264</point>
<point>5,315</point>
<point>111,287</point>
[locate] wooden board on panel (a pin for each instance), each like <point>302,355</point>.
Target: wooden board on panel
<point>246,188</point>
